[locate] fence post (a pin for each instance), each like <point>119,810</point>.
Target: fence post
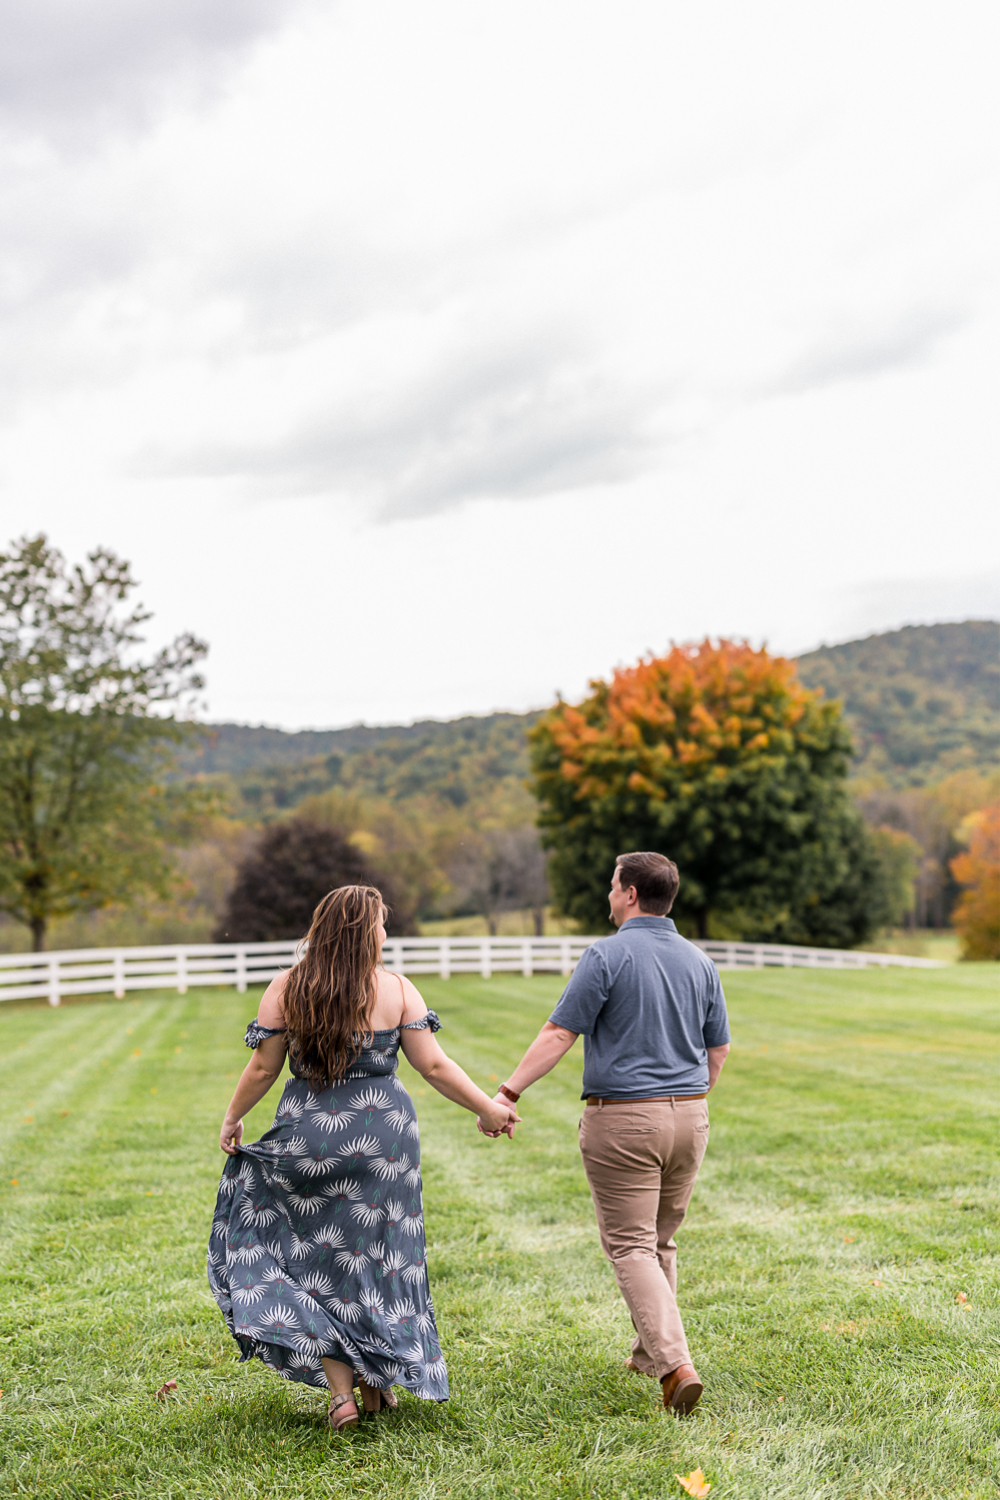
<point>484,959</point>
<point>526,958</point>
<point>182,972</point>
<point>53,981</point>
<point>564,954</point>
<point>444,958</point>
<point>118,970</point>
<point>241,971</point>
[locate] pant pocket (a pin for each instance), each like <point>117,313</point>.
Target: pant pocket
<point>631,1119</point>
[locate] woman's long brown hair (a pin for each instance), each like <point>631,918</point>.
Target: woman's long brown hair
<point>329,994</point>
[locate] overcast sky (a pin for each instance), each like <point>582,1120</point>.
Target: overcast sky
<point>432,359</point>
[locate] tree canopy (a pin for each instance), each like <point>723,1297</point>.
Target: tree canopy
<point>717,756</point>
<point>282,881</point>
<point>85,735</point>
<point>977,869</point>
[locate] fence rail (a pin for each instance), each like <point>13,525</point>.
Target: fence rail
<point>781,956</point>
<point>97,971</point>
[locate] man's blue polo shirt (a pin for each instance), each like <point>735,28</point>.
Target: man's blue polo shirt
<point>648,1003</point>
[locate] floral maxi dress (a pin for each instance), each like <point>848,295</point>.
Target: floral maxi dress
<point>317,1246</point>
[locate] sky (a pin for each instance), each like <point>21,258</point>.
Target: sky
<point>429,360</point>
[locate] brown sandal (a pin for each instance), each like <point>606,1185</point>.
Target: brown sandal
<point>338,1417</point>
<point>386,1399</point>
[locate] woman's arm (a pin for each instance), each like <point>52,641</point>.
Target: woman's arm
<point>258,1076</point>
<point>423,1052</point>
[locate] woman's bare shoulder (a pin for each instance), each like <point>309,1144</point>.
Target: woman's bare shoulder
<point>271,1011</point>
<point>414,1005</point>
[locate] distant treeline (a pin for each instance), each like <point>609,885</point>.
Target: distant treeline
<point>921,702</point>
<point>446,807</point>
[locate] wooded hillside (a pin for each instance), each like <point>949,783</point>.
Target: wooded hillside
<point>476,766</point>
<point>921,702</point>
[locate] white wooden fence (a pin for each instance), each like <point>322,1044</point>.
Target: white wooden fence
<point>96,971</point>
<point>779,956</point>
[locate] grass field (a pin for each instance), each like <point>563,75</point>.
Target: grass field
<point>849,1197</point>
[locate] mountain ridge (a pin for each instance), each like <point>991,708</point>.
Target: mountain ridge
<point>921,702</point>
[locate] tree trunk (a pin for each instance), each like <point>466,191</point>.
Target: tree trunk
<point>38,926</point>
<point>491,924</point>
<point>703,923</point>
<point>538,914</point>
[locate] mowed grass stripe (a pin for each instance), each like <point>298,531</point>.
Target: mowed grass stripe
<point>858,1148</point>
<point>62,1104</point>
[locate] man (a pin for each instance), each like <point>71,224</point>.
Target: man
<point>652,1013</point>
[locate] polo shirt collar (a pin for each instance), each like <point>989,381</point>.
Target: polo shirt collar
<point>658,924</point>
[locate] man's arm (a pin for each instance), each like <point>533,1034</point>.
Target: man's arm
<point>716,1057</point>
<point>551,1043</point>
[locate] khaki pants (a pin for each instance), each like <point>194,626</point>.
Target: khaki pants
<point>641,1162</point>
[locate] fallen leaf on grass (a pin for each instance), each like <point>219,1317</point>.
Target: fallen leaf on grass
<point>960,1297</point>
<point>164,1390</point>
<point>848,1239</point>
<point>695,1483</point>
<point>875,1283</point>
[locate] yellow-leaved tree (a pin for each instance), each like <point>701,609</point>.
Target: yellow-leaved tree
<point>977,869</point>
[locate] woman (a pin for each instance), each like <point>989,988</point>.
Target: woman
<point>317,1256</point>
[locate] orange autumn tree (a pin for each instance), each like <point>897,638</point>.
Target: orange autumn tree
<point>718,756</point>
<point>977,914</point>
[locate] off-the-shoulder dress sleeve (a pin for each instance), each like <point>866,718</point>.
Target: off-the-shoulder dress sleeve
<point>432,1019</point>
<point>256,1033</point>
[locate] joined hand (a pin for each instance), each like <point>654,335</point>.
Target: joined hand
<point>507,1128</point>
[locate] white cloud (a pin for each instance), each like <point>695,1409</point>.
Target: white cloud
<point>710,293</point>
<point>73,68</point>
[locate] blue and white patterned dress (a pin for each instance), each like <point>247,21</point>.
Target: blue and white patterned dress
<point>317,1245</point>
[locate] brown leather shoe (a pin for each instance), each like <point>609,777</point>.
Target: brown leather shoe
<point>682,1389</point>
<point>630,1364</point>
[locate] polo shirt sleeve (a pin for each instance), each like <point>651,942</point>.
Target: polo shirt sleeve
<point>715,1031</point>
<point>581,1001</point>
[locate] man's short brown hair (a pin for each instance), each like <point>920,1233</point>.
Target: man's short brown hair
<point>655,879</point>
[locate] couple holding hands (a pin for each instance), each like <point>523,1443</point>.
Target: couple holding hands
<point>317,1256</point>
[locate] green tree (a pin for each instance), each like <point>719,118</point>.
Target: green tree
<point>85,737</point>
<point>899,858</point>
<point>717,756</point>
